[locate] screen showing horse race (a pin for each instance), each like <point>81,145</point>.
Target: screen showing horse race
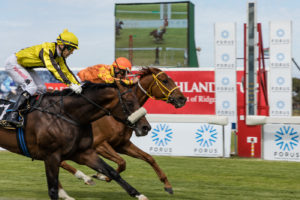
<point>152,34</point>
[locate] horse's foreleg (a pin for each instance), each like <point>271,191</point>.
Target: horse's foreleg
<point>52,170</point>
<point>131,150</point>
<point>79,174</point>
<point>109,153</point>
<point>92,160</point>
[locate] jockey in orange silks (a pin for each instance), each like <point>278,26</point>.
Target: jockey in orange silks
<point>102,73</point>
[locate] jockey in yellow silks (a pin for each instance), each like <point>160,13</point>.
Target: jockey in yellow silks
<point>50,55</point>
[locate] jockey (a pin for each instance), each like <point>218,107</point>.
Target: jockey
<point>108,73</point>
<point>159,30</point>
<point>47,55</point>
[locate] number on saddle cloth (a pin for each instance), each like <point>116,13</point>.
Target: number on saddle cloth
<point>5,106</point>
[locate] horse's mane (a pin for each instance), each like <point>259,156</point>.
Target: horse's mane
<point>146,71</point>
<point>87,84</point>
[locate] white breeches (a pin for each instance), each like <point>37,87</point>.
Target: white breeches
<point>28,79</point>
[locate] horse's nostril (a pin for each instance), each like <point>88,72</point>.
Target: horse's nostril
<point>182,99</point>
<point>146,128</point>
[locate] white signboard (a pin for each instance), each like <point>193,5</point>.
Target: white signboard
<point>225,70</point>
<point>225,76</point>
<point>182,139</point>
<point>281,142</point>
<point>280,74</point>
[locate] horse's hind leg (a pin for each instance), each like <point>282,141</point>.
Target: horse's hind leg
<point>92,160</point>
<point>52,170</point>
<point>134,151</point>
<point>79,174</point>
<point>108,152</point>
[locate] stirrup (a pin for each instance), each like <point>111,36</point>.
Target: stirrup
<point>15,120</point>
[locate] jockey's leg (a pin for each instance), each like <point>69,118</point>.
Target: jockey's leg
<point>13,115</point>
<point>41,87</point>
<point>22,77</point>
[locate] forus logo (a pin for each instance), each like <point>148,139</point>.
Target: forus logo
<point>162,135</point>
<point>206,136</point>
<point>287,138</point>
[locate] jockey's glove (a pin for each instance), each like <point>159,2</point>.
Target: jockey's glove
<point>76,88</point>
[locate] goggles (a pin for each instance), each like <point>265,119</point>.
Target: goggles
<point>70,48</point>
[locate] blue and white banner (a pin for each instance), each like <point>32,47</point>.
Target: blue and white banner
<point>281,142</point>
<point>280,73</point>
<point>225,76</point>
<point>182,139</point>
<point>225,70</point>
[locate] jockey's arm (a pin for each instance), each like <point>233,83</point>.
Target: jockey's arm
<point>50,63</point>
<point>68,73</point>
<point>105,75</point>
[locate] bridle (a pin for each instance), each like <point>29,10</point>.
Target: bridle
<point>164,90</point>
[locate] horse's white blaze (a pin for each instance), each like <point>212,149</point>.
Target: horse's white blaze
<point>142,197</point>
<point>134,117</point>
<point>62,194</point>
<point>80,175</point>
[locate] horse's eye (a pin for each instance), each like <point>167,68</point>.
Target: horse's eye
<point>165,81</point>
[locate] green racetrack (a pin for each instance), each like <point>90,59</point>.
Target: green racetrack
<point>192,178</point>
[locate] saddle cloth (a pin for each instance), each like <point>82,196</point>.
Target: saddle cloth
<point>5,106</point>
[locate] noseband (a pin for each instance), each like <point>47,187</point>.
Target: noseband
<point>164,90</point>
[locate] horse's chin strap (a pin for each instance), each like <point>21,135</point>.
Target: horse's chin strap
<point>161,86</point>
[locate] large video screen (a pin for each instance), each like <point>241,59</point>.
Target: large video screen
<point>152,34</point>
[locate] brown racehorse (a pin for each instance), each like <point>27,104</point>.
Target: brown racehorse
<point>59,128</point>
<point>111,137</point>
<point>158,35</point>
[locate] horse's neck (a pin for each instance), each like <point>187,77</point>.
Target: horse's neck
<point>86,109</point>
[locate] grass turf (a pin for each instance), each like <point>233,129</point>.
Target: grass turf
<point>192,179</point>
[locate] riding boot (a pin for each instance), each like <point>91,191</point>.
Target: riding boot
<point>13,115</point>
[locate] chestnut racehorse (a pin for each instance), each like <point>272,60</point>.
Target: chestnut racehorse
<point>59,128</point>
<point>111,137</point>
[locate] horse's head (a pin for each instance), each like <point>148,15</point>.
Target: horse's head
<point>135,114</point>
<point>158,85</point>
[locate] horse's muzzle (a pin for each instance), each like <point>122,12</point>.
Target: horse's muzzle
<point>143,131</point>
<point>177,102</point>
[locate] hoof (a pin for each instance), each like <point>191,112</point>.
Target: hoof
<point>142,197</point>
<point>100,177</point>
<point>108,179</point>
<point>169,190</point>
<point>90,182</point>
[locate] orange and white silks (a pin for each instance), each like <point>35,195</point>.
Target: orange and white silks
<point>100,74</point>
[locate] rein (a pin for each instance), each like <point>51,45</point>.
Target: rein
<point>74,122</point>
<point>161,87</point>
<point>44,110</point>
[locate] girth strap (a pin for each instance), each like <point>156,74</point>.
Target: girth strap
<point>22,142</point>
